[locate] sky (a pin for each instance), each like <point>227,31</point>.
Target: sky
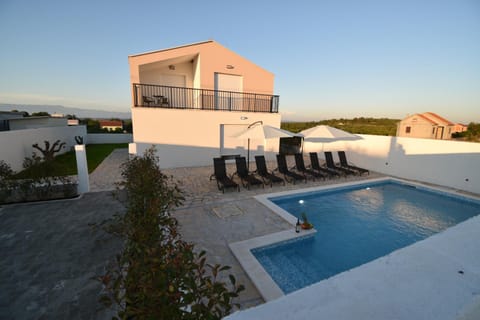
<point>331,59</point>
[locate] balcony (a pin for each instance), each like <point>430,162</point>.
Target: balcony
<point>157,96</point>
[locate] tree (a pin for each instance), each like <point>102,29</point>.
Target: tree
<point>93,126</point>
<point>471,134</point>
<point>158,275</point>
<point>127,126</point>
<point>24,113</point>
<point>48,152</point>
<point>40,114</point>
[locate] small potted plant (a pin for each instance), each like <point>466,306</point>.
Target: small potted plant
<point>306,224</point>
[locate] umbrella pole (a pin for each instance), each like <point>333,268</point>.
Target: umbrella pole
<point>248,155</point>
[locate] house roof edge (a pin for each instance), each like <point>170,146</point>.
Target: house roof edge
<point>171,48</point>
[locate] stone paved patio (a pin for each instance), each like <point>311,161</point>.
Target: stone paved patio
<point>49,255</point>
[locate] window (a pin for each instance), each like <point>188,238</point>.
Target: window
<point>407,129</point>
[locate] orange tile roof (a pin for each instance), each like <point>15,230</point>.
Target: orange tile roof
<point>426,118</point>
<point>110,123</point>
<point>434,115</point>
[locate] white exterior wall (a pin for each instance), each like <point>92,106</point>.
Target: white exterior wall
<point>448,163</point>
<point>34,123</point>
<point>196,72</point>
<point>16,145</point>
<point>99,138</point>
<point>421,129</point>
<point>152,73</point>
<point>185,138</point>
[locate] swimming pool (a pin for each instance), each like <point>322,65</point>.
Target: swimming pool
<point>355,225</point>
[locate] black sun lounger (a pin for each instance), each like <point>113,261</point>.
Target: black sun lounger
<point>300,166</point>
<point>283,169</point>
<point>267,176</point>
<point>247,178</point>
<point>220,172</point>
<point>331,165</point>
<point>344,164</point>
<point>315,164</point>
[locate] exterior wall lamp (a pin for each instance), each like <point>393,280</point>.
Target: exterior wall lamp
<point>171,67</point>
<point>229,66</point>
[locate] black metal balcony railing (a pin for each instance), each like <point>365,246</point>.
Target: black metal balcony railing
<point>149,95</point>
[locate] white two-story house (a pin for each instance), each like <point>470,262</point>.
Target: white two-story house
<point>190,101</point>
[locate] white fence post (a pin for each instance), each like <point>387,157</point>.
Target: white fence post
<point>82,168</point>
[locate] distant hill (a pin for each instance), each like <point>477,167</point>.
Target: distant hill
<point>78,112</point>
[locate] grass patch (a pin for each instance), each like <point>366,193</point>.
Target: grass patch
<point>96,153</point>
<point>66,164</point>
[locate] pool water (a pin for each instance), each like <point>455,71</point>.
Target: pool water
<point>357,225</point>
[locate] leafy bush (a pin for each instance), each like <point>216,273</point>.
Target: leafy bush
<point>158,275</point>
<point>6,186</point>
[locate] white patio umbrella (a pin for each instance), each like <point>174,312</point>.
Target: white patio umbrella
<point>325,134</point>
<point>258,130</point>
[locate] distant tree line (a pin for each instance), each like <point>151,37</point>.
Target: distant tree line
<point>34,114</point>
<point>381,126</point>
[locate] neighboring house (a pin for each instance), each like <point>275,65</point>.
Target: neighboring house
<point>111,125</point>
<point>191,100</point>
<point>428,125</point>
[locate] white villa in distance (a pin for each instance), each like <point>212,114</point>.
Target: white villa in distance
<point>190,100</point>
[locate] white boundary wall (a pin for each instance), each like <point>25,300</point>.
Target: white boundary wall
<point>189,138</point>
<point>100,138</point>
<point>448,163</point>
<point>17,144</point>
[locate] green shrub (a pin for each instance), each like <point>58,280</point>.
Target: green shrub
<point>158,275</point>
<point>6,185</point>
